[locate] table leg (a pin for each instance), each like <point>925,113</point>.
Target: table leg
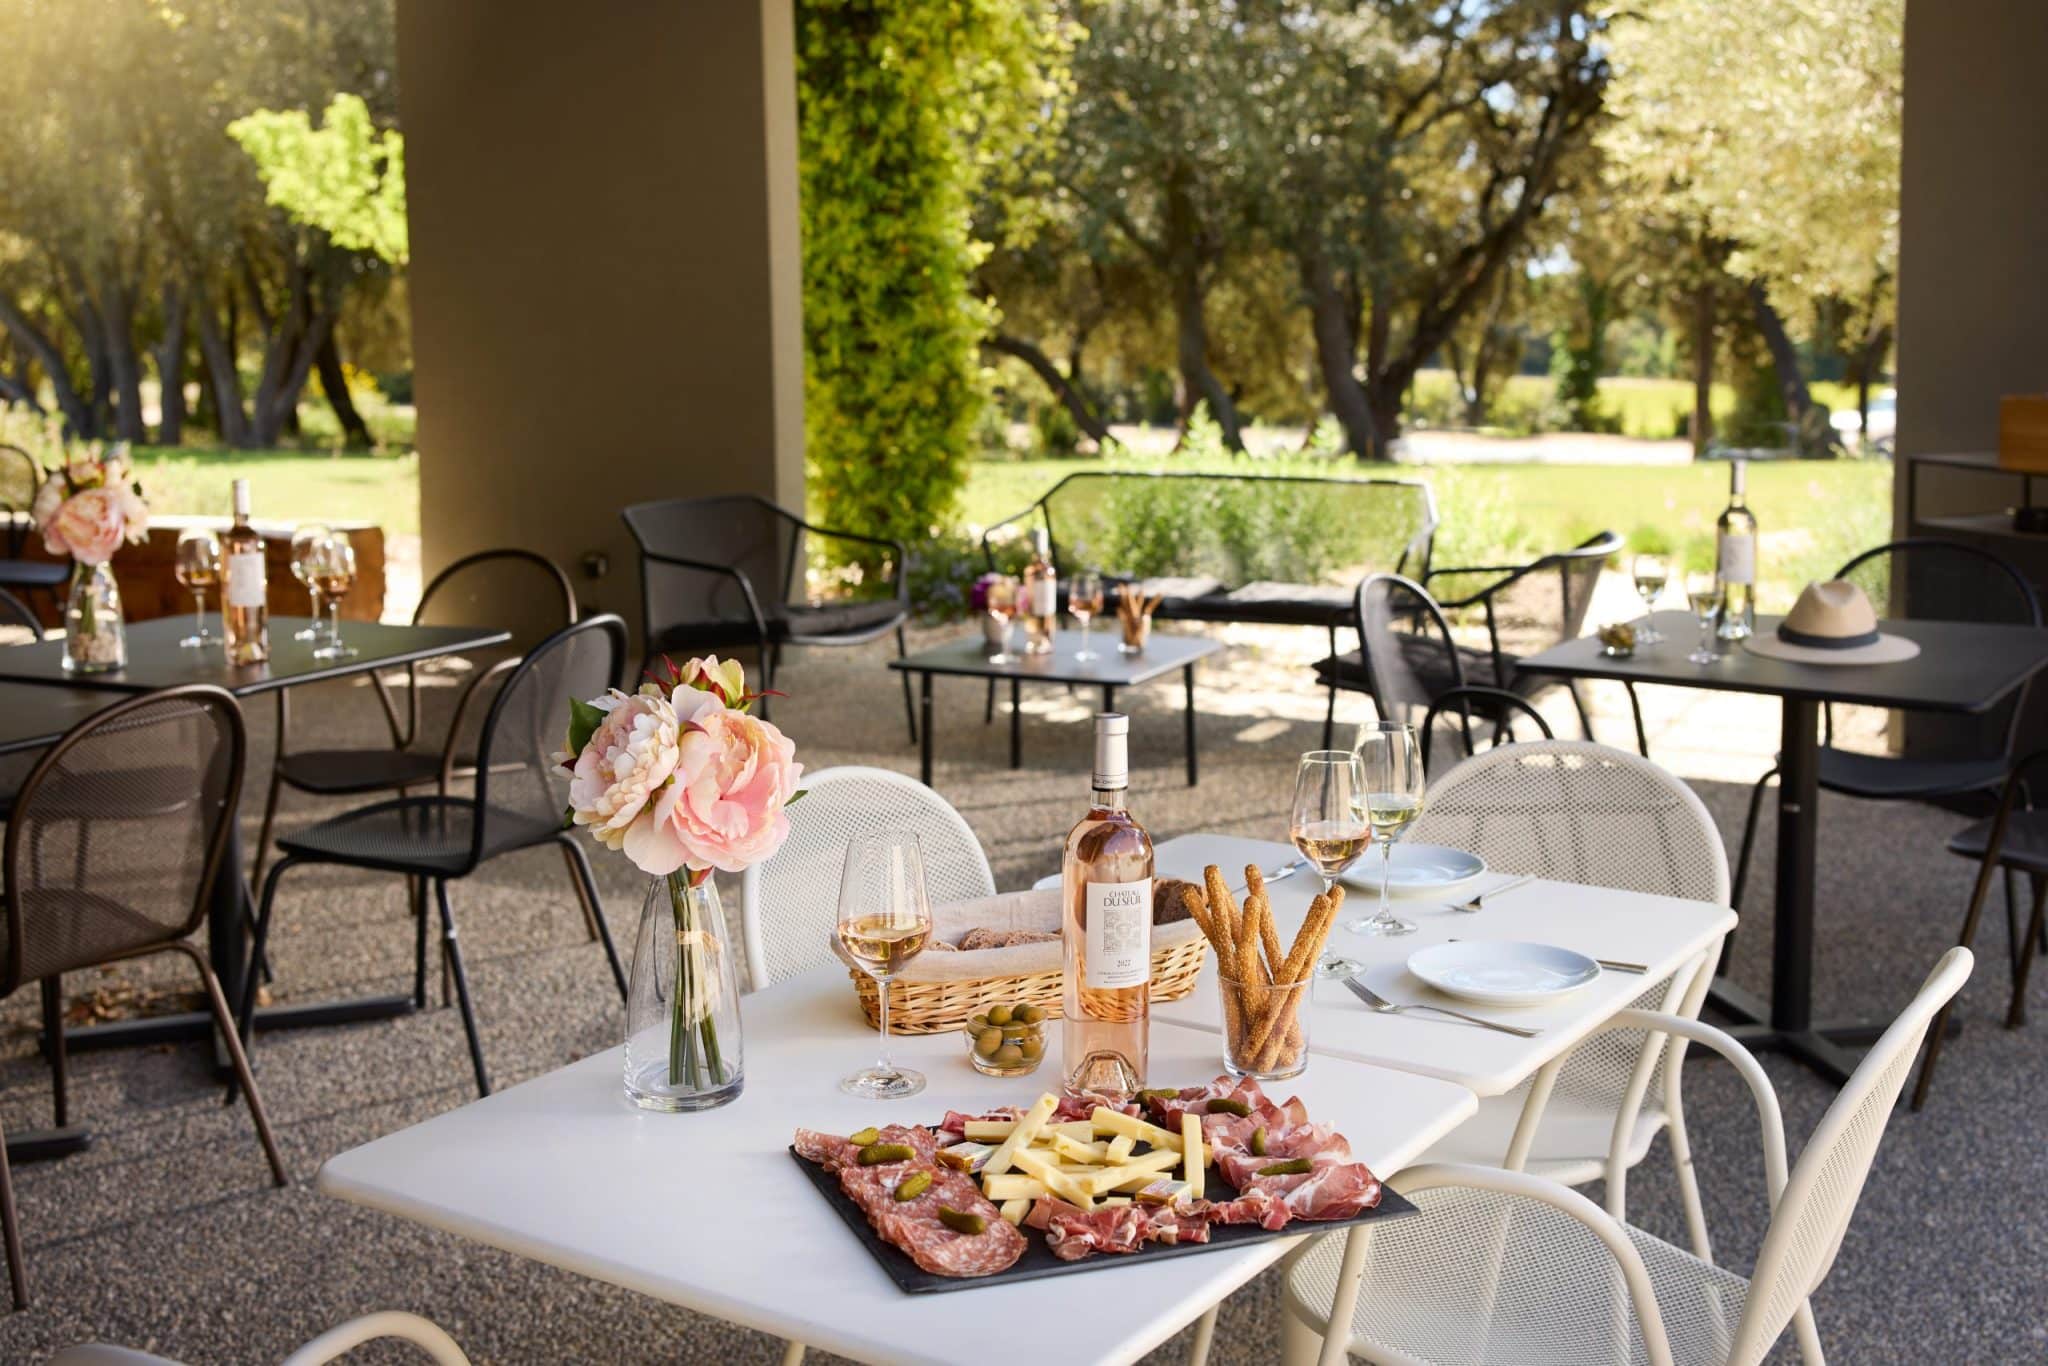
<point>1016,726</point>
<point>1188,679</point>
<point>924,731</point>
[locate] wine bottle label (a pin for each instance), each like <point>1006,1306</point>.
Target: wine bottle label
<point>245,579</point>
<point>1044,597</point>
<point>1119,934</point>
<point>1737,560</point>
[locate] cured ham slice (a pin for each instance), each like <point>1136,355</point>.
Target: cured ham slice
<point>833,1151</point>
<point>1073,1234</point>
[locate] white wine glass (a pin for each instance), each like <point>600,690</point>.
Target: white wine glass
<point>1651,573</point>
<point>1703,594</point>
<point>1390,798</point>
<point>1084,600</point>
<point>885,918</point>
<point>1002,609</point>
<point>306,542</point>
<point>198,569</point>
<point>334,572</point>
<point>1327,828</point>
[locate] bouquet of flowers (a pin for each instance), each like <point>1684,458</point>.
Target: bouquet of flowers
<point>683,779</point>
<point>92,503</point>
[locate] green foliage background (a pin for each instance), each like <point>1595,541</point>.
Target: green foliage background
<point>907,112</point>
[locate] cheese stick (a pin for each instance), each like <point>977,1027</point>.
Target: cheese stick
<point>1020,1137</point>
<point>1120,1148</point>
<point>1012,1186</point>
<point>1140,1169</point>
<point>1063,1184</point>
<point>1194,1162</point>
<point>1108,1121</point>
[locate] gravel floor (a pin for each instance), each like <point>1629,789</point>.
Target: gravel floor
<point>167,1235</point>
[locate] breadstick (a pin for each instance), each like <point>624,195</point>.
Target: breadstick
<point>1251,978</point>
<point>1307,944</point>
<point>1271,940</point>
<point>1225,957</point>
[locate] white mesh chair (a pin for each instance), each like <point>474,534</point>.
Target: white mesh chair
<point>790,903</point>
<point>1504,1266</point>
<point>336,1342</point>
<point>1574,811</point>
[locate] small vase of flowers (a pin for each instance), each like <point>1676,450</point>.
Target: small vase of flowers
<point>86,509</point>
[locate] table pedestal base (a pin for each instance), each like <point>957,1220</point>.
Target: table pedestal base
<point>196,1024</point>
<point>44,1145</point>
<point>1829,1048</point>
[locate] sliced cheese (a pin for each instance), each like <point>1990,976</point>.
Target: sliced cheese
<point>1113,1200</point>
<point>1012,1186</point>
<point>1194,1162</point>
<point>990,1130</point>
<point>1020,1137</point>
<point>1015,1210</point>
<point>1067,1186</point>
<point>1065,1145</point>
<point>1080,1130</point>
<point>1108,1121</point>
<point>1134,1174</point>
<point>1120,1147</point>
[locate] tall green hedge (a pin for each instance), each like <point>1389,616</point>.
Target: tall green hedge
<point>910,109</point>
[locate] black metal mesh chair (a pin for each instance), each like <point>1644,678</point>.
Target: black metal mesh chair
<point>517,803</point>
<point>1496,710</point>
<point>19,477</point>
<point>1924,579</point>
<point>1407,656</point>
<point>729,572</point>
<point>527,591</point>
<point>100,868</point>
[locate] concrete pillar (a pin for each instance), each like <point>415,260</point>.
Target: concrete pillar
<point>605,268</point>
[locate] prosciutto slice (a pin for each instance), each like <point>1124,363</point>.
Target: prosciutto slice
<point>1073,1234</point>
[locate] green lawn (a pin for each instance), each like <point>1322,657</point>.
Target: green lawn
<point>290,485</point>
<point>1648,408</point>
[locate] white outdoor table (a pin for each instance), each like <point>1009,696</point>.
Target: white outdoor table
<point>709,1211</point>
<point>1662,933</point>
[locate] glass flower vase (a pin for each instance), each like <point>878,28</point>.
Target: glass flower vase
<point>95,640</point>
<point>683,1046</point>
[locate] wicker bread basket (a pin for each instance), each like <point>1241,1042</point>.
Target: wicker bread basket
<point>941,990</point>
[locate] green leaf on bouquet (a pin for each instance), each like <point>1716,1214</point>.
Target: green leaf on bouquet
<point>795,797</point>
<point>584,719</point>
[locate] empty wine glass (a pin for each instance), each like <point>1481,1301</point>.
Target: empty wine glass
<point>198,569</point>
<point>1084,600</point>
<point>1703,593</point>
<point>1390,798</point>
<point>884,920</point>
<point>305,541</point>
<point>334,572</point>
<point>1328,829</point>
<point>1651,573</point>
<point>1002,608</point>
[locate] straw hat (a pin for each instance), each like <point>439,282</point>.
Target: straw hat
<point>1832,623</point>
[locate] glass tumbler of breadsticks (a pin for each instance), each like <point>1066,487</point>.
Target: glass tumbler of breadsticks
<point>1264,990</point>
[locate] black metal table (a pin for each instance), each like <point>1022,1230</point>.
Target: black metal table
<point>970,657</point>
<point>155,660</point>
<point>1962,667</point>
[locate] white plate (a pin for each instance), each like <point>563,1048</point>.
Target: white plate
<point>1419,870</point>
<point>1499,972</point>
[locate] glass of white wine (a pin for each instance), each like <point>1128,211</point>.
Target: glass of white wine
<point>306,542</point>
<point>1389,800</point>
<point>1328,828</point>
<point>885,919</point>
<point>1084,600</point>
<point>198,569</point>
<point>1703,593</point>
<point>334,573</point>
<point>1002,609</point>
<point>1651,574</point>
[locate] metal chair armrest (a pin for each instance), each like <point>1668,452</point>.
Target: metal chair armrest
<point>706,567</point>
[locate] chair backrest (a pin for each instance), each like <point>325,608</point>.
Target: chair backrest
<point>118,831</point>
<point>789,903</point>
<point>739,530</point>
<point>524,592</point>
<point>519,788</point>
<point>20,476</point>
<point>1469,715</point>
<point>1930,579</point>
<point>1813,1213</point>
<point>1409,655</point>
<point>16,614</point>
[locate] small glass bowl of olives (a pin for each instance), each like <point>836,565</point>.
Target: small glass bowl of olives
<point>1006,1040</point>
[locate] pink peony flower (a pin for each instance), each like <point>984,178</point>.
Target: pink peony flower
<point>88,526</point>
<point>727,679</point>
<point>724,807</point>
<point>49,497</point>
<point>630,755</point>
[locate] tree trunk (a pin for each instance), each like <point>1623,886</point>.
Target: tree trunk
<point>1383,401</point>
<point>1784,357</point>
<point>1702,369</point>
<point>334,383</point>
<point>170,368</point>
<point>1066,390</point>
<point>287,364</point>
<point>37,343</point>
<point>1868,357</point>
<point>1333,323</point>
<point>231,418</point>
<point>124,365</point>
<point>1198,381</point>
<point>1386,380</point>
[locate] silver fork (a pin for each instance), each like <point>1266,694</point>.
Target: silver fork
<point>1381,1005</point>
<point>1478,903</point>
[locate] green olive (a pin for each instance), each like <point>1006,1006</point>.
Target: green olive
<point>1032,1049</point>
<point>999,1015</point>
<point>1031,1014</point>
<point>1017,1031</point>
<point>1009,1055</point>
<point>978,1023</point>
<point>988,1041</point>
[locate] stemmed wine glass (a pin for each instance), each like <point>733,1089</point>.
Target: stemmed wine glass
<point>1328,829</point>
<point>884,921</point>
<point>1084,600</point>
<point>1002,606</point>
<point>198,568</point>
<point>1651,574</point>
<point>1390,798</point>
<point>334,572</point>
<point>305,542</point>
<point>1703,592</point>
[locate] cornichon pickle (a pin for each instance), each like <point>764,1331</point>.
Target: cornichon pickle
<point>1031,1014</point>
<point>960,1221</point>
<point>999,1015</point>
<point>1225,1105</point>
<point>913,1185</point>
<point>866,1136</point>
<point>1157,1093</point>
<point>988,1041</point>
<point>1259,1141</point>
<point>1293,1166</point>
<point>877,1153</point>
